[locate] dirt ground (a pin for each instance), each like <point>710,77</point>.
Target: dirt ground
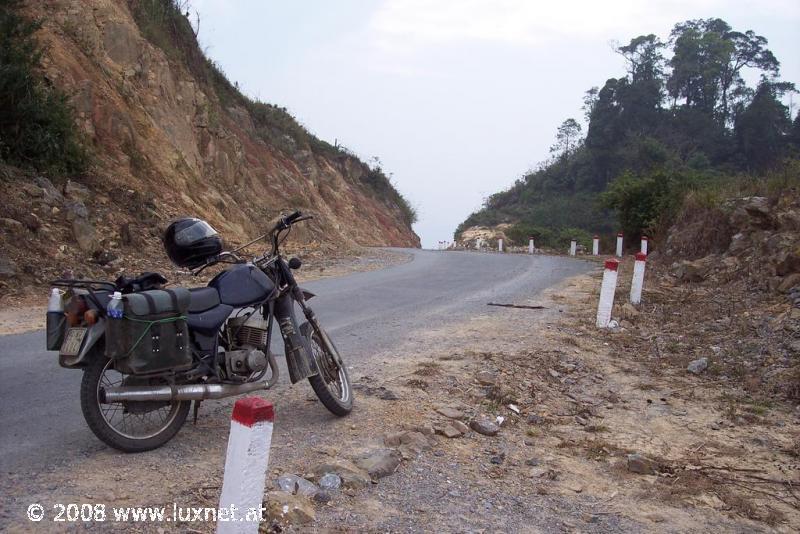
<point>715,453</point>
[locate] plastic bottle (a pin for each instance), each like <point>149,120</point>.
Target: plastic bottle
<point>56,322</point>
<point>55,304</point>
<point>115,306</point>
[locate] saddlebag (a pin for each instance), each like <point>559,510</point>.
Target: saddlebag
<point>152,335</point>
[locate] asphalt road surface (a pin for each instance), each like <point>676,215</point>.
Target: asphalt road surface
<point>364,313</point>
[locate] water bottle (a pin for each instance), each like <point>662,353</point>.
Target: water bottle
<point>56,321</point>
<point>115,306</point>
<point>55,304</point>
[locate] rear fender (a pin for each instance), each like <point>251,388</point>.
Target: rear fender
<point>93,342</point>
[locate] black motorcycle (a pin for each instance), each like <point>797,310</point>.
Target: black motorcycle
<point>147,351</point>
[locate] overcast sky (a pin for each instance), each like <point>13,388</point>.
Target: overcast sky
<point>458,98</point>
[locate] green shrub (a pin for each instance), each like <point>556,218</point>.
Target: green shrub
<point>647,203</point>
<point>37,128</point>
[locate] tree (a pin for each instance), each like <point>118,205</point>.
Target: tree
<point>708,58</point>
<point>567,138</point>
<point>762,130</point>
<point>37,128</point>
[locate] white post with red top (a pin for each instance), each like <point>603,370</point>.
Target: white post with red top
<point>246,462</point>
<point>643,250</point>
<point>638,278</point>
<point>619,245</point>
<point>607,289</point>
<point>595,245</point>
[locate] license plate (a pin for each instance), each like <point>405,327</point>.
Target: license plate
<point>73,341</point>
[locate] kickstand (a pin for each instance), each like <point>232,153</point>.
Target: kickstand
<point>196,409</point>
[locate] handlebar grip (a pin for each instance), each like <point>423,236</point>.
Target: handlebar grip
<point>291,218</point>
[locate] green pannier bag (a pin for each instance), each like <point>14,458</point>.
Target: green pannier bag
<point>152,335</point>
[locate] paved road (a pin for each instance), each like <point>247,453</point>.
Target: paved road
<point>364,313</point>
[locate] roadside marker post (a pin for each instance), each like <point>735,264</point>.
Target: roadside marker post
<point>573,247</point>
<point>530,246</point>
<point>500,245</point>
<point>644,244</point>
<point>619,245</point>
<point>638,277</point>
<point>246,462</point>
<point>607,289</point>
<point>595,245</point>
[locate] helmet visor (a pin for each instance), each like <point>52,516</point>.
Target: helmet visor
<point>194,233</point>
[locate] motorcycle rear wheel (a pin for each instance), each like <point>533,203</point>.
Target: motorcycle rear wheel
<point>332,384</point>
<point>118,424</point>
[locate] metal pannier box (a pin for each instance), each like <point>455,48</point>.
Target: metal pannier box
<point>152,335</point>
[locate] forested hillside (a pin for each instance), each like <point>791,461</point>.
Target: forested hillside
<point>686,114</point>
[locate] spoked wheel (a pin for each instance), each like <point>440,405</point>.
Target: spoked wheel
<point>332,384</point>
<point>127,426</point>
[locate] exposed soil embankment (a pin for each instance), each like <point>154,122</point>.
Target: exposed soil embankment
<point>169,137</point>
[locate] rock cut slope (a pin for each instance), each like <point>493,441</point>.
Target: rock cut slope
<point>169,136</point>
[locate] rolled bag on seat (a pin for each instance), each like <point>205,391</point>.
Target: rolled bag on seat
<point>152,335</point>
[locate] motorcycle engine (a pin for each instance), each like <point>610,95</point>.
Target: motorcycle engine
<point>248,336</point>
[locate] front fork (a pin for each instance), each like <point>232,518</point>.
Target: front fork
<point>297,347</point>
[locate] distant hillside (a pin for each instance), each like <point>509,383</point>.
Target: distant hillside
<point>117,97</point>
<point>681,117</point>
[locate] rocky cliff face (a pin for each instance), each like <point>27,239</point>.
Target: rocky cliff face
<point>166,143</point>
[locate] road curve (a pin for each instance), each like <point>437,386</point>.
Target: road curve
<point>364,313</point>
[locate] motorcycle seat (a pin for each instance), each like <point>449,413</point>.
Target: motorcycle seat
<point>202,299</point>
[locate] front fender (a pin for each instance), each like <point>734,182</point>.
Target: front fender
<point>94,341</point>
<point>308,295</point>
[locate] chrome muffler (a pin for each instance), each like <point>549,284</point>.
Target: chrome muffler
<point>187,391</point>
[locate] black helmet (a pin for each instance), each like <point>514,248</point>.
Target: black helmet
<point>189,242</point>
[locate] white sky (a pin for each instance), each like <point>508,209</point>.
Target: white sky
<point>457,97</point>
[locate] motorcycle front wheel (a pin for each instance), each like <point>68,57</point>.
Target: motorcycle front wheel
<point>332,384</point>
<point>127,426</point>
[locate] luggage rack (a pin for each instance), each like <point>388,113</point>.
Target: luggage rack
<point>89,285</point>
<point>84,284</point>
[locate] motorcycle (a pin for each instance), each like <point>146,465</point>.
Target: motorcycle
<point>135,404</point>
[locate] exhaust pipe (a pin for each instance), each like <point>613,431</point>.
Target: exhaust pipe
<point>187,391</point>
<point>177,393</point>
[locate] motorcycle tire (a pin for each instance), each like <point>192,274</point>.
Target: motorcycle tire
<point>340,403</point>
<point>93,413</point>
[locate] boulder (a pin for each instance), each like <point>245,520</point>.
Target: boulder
<point>450,413</point>
<point>379,462</point>
<point>697,366</point>
<point>351,475</point>
<point>641,465</point>
<point>752,212</point>
<point>486,378</point>
<point>76,209</point>
<point>694,271</point>
<point>33,190</point>
<point>485,426</point>
<point>51,196</point>
<point>788,262</point>
<point>789,282</point>
<point>289,509</point>
<point>76,191</point>
<point>84,234</point>
<point>449,431</point>
<point>8,269</point>
<point>12,225</point>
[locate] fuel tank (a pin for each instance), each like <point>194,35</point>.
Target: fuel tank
<point>242,285</point>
